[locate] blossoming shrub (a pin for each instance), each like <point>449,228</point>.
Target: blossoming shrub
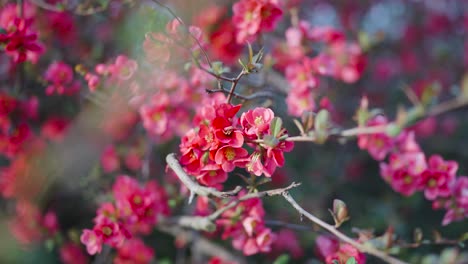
<point>170,131</point>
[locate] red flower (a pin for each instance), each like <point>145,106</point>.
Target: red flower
<point>403,172</point>
<point>438,178</point>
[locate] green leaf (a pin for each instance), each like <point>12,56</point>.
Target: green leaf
<point>322,122</point>
<point>283,259</point>
<point>275,126</point>
<point>464,237</point>
<point>351,260</point>
<point>464,86</point>
<point>258,56</point>
<point>270,141</point>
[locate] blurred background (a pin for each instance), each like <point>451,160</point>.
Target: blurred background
<point>61,153</point>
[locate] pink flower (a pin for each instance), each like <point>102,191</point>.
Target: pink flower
<point>123,68</point>
<point>226,133</point>
<point>298,103</point>
<point>257,121</point>
<point>227,155</point>
<point>252,17</point>
<point>157,48</point>
<point>287,241</point>
<point>92,241</point>
<point>302,76</point>
<point>403,172</point>
<point>109,159</point>
<point>438,178</point>
<point>134,251</point>
<point>55,128</point>
<point>60,78</point>
<point>223,43</point>
<point>212,174</point>
<point>332,251</point>
<point>155,115</point>
<point>21,42</point>
<point>378,144</point>
<point>109,232</point>
<point>457,209</point>
<point>71,253</point>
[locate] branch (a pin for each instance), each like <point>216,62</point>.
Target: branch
<point>205,54</point>
<point>206,223</point>
<point>193,186</point>
<point>439,109</point>
<point>248,196</point>
<point>202,244</point>
<point>262,94</point>
<point>361,247</point>
<point>234,85</point>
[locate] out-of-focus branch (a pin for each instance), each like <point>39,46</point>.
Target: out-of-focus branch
<point>439,109</point>
<point>77,9</point>
<point>257,95</point>
<point>248,196</point>
<point>361,247</point>
<point>202,244</point>
<point>194,187</point>
<point>205,54</point>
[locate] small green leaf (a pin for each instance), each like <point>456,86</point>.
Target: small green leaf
<point>417,235</point>
<point>275,126</point>
<point>351,260</point>
<point>464,86</point>
<point>322,120</point>
<point>464,237</point>
<point>270,141</point>
<point>258,56</point>
<point>283,259</point>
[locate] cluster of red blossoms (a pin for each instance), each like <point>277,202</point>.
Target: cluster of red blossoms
<point>20,39</point>
<point>252,17</point>
<point>135,210</point>
<point>245,225</point>
<point>59,76</point>
<point>217,144</point>
<point>408,171</point>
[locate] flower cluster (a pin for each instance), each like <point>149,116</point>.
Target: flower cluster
<point>59,75</point>
<point>409,171</point>
<point>112,160</point>
<point>30,225</point>
<point>339,59</point>
<point>135,211</point>
<point>252,17</point>
<point>245,225</point>
<point>118,73</point>
<point>20,39</point>
<point>161,47</point>
<point>217,144</point>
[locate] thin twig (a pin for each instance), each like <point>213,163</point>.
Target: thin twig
<point>204,245</point>
<point>206,223</point>
<point>205,54</point>
<point>262,94</point>
<point>194,187</point>
<point>234,85</point>
<point>248,196</point>
<point>287,225</point>
<point>439,109</point>
<point>361,247</point>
